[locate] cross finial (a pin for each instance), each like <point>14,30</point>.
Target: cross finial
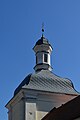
<point>42,29</point>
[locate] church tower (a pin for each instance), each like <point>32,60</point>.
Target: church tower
<point>41,91</point>
<point>42,51</point>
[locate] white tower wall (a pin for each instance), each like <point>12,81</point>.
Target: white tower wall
<point>34,105</point>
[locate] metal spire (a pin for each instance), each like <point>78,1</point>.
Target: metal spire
<point>42,29</point>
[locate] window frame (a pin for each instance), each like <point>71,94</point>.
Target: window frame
<point>45,57</point>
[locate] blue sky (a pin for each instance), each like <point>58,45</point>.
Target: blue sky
<point>20,28</point>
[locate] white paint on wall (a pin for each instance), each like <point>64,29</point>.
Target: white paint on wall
<point>30,111</point>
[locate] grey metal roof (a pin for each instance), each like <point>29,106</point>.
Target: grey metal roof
<point>43,40</point>
<point>47,81</point>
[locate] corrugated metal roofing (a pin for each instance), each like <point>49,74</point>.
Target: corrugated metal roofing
<point>47,81</point>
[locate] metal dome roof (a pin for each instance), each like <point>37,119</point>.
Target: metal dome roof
<point>42,40</point>
<point>48,82</point>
